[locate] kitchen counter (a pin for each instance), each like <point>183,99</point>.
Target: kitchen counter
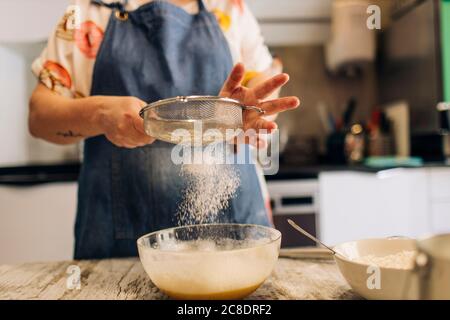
<point>288,172</point>
<point>303,278</point>
<point>37,174</point>
<point>312,172</point>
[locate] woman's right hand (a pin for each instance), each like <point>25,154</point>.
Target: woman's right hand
<point>65,120</point>
<point>119,121</point>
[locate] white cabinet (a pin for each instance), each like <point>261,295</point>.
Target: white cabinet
<point>398,202</point>
<point>357,205</point>
<point>440,199</point>
<point>440,184</point>
<point>440,217</point>
<point>37,222</point>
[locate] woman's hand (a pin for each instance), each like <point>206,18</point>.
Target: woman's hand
<point>119,120</point>
<point>255,97</point>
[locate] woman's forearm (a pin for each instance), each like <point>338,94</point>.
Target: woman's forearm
<point>60,119</point>
<point>64,120</point>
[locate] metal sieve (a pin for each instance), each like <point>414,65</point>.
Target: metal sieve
<point>163,117</point>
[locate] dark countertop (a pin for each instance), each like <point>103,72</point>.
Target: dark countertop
<point>37,174</point>
<point>312,172</point>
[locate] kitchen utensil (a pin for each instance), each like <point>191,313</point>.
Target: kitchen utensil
<point>308,253</point>
<point>210,261</point>
<point>310,236</point>
<point>398,115</point>
<point>394,283</point>
<point>355,144</point>
<point>195,115</point>
<point>335,148</point>
<point>349,111</point>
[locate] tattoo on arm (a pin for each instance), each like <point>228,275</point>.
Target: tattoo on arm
<point>69,134</point>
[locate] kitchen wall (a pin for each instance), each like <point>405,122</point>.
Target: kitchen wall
<point>20,43</point>
<point>17,83</point>
<point>314,84</point>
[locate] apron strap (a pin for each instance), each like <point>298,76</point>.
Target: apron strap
<point>120,5</point>
<point>201,6</point>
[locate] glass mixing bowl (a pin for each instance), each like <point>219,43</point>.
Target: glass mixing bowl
<point>210,261</point>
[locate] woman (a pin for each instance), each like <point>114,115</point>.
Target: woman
<point>104,62</point>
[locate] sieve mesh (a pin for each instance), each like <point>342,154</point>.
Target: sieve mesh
<point>182,109</point>
<point>164,116</point>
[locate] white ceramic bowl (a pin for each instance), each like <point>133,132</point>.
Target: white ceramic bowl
<point>215,261</point>
<point>395,284</point>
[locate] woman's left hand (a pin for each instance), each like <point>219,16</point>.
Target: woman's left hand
<point>255,97</point>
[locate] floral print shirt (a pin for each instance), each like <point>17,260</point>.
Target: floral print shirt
<point>66,64</point>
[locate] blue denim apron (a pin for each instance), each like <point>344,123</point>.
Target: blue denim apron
<point>159,51</point>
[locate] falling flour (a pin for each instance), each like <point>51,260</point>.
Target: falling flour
<point>210,185</point>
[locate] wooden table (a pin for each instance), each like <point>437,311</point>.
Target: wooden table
<point>126,279</point>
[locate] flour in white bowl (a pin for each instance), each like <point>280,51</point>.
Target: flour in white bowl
<point>402,260</point>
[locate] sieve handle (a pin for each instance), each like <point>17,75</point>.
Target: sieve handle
<point>257,109</point>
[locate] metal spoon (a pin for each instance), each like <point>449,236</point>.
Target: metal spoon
<point>310,236</point>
